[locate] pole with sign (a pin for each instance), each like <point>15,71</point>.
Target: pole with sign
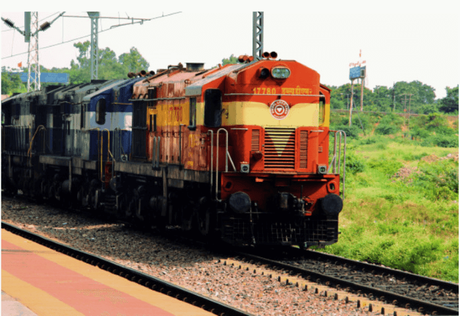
<point>357,71</point>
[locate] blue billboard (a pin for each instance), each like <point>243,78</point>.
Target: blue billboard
<point>45,77</point>
<point>355,73</point>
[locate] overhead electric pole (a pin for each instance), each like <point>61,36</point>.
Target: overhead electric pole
<point>257,35</point>
<point>32,58</point>
<point>405,110</point>
<point>94,16</point>
<point>30,34</point>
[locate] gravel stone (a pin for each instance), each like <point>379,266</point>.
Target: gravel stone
<point>196,269</point>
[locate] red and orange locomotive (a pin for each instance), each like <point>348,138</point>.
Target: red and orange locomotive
<point>240,152</point>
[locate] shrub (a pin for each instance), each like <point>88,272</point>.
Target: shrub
<point>354,163</point>
<point>361,121</point>
<point>419,132</point>
<point>428,109</point>
<point>445,141</point>
<point>438,180</point>
<point>384,129</point>
<point>352,131</point>
<point>392,119</point>
<point>386,166</point>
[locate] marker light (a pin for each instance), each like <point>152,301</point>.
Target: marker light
<point>280,72</point>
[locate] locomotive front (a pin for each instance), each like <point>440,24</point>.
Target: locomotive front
<point>273,176</point>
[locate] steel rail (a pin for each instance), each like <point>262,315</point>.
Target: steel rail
<point>335,282</point>
<point>146,280</point>
<point>450,286</point>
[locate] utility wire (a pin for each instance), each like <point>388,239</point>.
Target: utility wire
<point>57,44</point>
<point>101,31</point>
<point>10,29</point>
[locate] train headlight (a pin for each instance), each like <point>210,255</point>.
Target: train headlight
<point>331,204</point>
<point>281,72</point>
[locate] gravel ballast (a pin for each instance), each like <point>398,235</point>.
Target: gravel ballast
<point>194,268</point>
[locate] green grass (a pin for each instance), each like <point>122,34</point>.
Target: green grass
<point>401,206</point>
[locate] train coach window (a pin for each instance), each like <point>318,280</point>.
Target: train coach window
<point>212,108</point>
<point>192,121</point>
<point>100,112</point>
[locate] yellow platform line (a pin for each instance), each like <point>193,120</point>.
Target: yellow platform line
<point>37,300</point>
<point>153,298</point>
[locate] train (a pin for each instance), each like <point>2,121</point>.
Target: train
<point>241,153</point>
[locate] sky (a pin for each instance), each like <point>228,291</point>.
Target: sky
<point>398,40</point>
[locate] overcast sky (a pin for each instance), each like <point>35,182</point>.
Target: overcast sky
<point>399,40</point>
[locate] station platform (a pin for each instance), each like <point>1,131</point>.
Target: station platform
<point>39,281</point>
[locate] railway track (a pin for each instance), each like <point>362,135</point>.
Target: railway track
<point>146,280</point>
<point>395,287</point>
<point>371,282</point>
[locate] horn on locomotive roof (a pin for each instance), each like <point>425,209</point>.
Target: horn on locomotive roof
<point>271,55</point>
<point>142,73</point>
<point>245,58</point>
<point>131,75</point>
<point>242,58</point>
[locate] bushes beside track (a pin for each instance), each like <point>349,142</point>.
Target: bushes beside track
<point>401,205</point>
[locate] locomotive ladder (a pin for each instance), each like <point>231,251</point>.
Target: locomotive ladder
<point>339,159</point>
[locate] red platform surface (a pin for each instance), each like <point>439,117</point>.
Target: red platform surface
<point>50,283</point>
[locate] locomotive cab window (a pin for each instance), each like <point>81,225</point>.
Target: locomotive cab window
<point>152,95</point>
<point>192,122</point>
<point>322,109</point>
<point>82,116</point>
<point>153,123</point>
<point>100,112</point>
<point>213,108</point>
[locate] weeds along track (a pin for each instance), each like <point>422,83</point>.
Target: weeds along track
<point>146,280</point>
<point>395,287</point>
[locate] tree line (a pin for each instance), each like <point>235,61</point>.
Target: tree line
<point>409,97</point>
<point>109,67</point>
<point>413,97</point>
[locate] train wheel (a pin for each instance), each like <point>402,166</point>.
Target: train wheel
<point>36,190</point>
<point>91,198</point>
<point>129,213</point>
<point>122,206</point>
<point>204,221</point>
<point>187,217</point>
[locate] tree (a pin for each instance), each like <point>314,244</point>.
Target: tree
<point>449,104</point>
<point>80,70</point>
<point>83,58</point>
<point>231,60</point>
<point>413,94</point>
<point>134,62</point>
<point>109,66</point>
<point>11,83</point>
<point>383,98</point>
